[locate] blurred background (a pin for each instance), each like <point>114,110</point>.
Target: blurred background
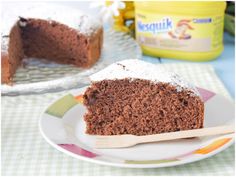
<point>124,21</point>
<point>120,16</point>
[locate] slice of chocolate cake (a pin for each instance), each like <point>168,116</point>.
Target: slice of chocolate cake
<point>135,97</point>
<point>58,34</point>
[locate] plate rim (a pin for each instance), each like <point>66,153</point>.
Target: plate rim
<point>126,165</point>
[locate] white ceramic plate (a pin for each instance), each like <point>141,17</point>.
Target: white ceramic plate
<point>63,127</point>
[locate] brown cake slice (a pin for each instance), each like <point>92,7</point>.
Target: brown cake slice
<point>53,40</point>
<point>135,97</point>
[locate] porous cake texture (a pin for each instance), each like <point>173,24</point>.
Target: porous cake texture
<point>139,98</point>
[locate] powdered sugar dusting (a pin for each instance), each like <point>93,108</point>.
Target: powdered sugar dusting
<point>137,69</point>
<point>71,17</point>
<point>88,25</point>
<point>4,43</point>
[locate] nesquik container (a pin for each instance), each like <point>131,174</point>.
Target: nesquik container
<point>180,30</point>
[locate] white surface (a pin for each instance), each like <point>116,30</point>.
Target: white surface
<point>137,69</point>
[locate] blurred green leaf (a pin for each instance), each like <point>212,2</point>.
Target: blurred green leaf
<point>230,9</point>
<point>230,24</point>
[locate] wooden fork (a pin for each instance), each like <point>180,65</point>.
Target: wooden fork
<point>122,141</point>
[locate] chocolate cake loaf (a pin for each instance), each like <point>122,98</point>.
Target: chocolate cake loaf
<point>139,98</point>
<point>64,37</point>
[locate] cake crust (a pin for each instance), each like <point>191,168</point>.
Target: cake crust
<point>11,55</point>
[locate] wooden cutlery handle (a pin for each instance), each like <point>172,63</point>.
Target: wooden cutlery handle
<point>187,134</point>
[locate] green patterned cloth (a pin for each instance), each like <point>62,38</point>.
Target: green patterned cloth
<point>25,152</point>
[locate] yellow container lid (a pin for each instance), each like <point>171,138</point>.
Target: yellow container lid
<point>183,7</point>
